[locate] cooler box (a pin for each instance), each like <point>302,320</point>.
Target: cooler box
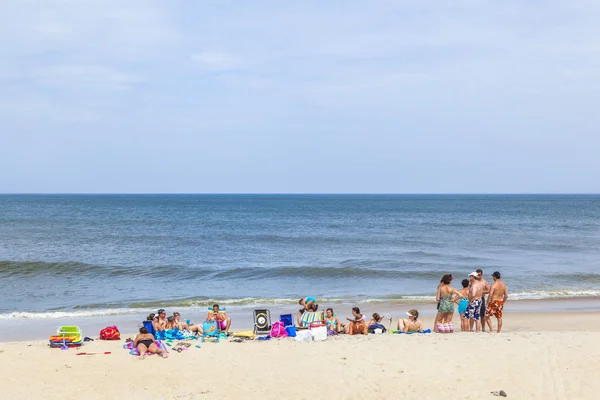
<point>319,331</point>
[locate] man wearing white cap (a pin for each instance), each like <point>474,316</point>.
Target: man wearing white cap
<point>473,311</point>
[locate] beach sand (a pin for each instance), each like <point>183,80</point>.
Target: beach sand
<point>539,356</point>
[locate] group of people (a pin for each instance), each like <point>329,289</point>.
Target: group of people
<point>358,324</point>
<point>145,341</point>
<point>475,313</point>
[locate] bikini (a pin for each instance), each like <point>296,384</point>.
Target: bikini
<point>331,325</point>
<point>145,342</point>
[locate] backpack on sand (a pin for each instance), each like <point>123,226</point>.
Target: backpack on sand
<point>110,333</point>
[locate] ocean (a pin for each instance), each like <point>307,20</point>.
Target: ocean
<point>96,255</point>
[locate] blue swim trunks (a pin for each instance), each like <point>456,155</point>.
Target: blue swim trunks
<point>473,310</point>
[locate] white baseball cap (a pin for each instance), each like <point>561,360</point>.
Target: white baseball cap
<point>474,274</point>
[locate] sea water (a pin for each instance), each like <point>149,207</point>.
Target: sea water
<point>92,255</point>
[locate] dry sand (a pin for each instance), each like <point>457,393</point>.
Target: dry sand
<point>540,356</point>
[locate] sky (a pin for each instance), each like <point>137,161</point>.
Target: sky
<point>386,96</point>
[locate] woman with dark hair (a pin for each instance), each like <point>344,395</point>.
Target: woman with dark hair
<point>144,342</point>
<point>445,296</point>
<point>333,323</point>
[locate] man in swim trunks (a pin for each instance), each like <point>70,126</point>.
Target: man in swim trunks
<point>219,316</point>
<point>486,290</point>
<point>160,321</point>
<point>496,299</point>
<point>473,312</point>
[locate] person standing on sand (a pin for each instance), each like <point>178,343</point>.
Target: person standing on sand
<point>474,308</point>
<point>463,302</point>
<point>496,299</point>
<point>486,290</point>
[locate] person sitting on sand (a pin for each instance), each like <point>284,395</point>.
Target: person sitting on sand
<point>446,296</point>
<point>412,324</point>
<point>160,321</point>
<point>375,319</point>
<point>219,315</point>
<point>332,322</point>
<point>182,326</point>
<point>463,302</point>
<point>357,325</point>
<point>144,343</point>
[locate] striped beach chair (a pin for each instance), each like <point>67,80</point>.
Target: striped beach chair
<point>310,317</point>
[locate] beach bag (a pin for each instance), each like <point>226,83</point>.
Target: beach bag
<point>278,330</point>
<point>377,328</point>
<point>445,327</point>
<point>110,333</point>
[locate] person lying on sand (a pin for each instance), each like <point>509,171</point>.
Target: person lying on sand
<point>357,325</point>
<point>219,315</point>
<point>184,326</point>
<point>144,343</point>
<point>412,324</point>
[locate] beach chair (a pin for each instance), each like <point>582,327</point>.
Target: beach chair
<point>210,329</point>
<point>67,336</point>
<point>312,317</point>
<point>68,331</point>
<point>262,321</point>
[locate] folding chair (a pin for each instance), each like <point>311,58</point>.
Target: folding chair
<point>262,321</point>
<point>210,329</point>
<point>312,317</point>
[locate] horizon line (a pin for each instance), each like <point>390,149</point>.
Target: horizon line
<point>299,193</point>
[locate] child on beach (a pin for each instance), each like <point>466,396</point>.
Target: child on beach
<point>357,325</point>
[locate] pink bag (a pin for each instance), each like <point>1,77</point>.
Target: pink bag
<point>445,327</point>
<point>278,330</point>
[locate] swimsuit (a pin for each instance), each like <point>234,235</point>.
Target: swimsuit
<point>462,306</point>
<point>145,342</point>
<point>473,310</point>
<point>495,308</point>
<point>331,325</point>
<point>446,305</point>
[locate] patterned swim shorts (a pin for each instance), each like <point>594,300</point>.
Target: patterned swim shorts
<point>495,308</point>
<point>473,310</point>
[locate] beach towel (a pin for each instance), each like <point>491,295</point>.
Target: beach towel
<point>408,333</point>
<point>309,317</point>
<point>246,334</point>
<point>134,352</point>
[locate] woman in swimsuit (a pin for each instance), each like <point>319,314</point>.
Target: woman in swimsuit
<point>333,323</point>
<point>463,302</point>
<point>144,342</point>
<point>412,324</point>
<point>446,296</point>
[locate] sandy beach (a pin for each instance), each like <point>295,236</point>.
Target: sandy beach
<point>539,356</point>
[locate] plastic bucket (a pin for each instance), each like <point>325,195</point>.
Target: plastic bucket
<point>291,330</point>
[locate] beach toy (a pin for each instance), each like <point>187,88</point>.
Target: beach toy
<point>197,346</point>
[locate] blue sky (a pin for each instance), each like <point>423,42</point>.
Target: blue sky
<point>305,96</point>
